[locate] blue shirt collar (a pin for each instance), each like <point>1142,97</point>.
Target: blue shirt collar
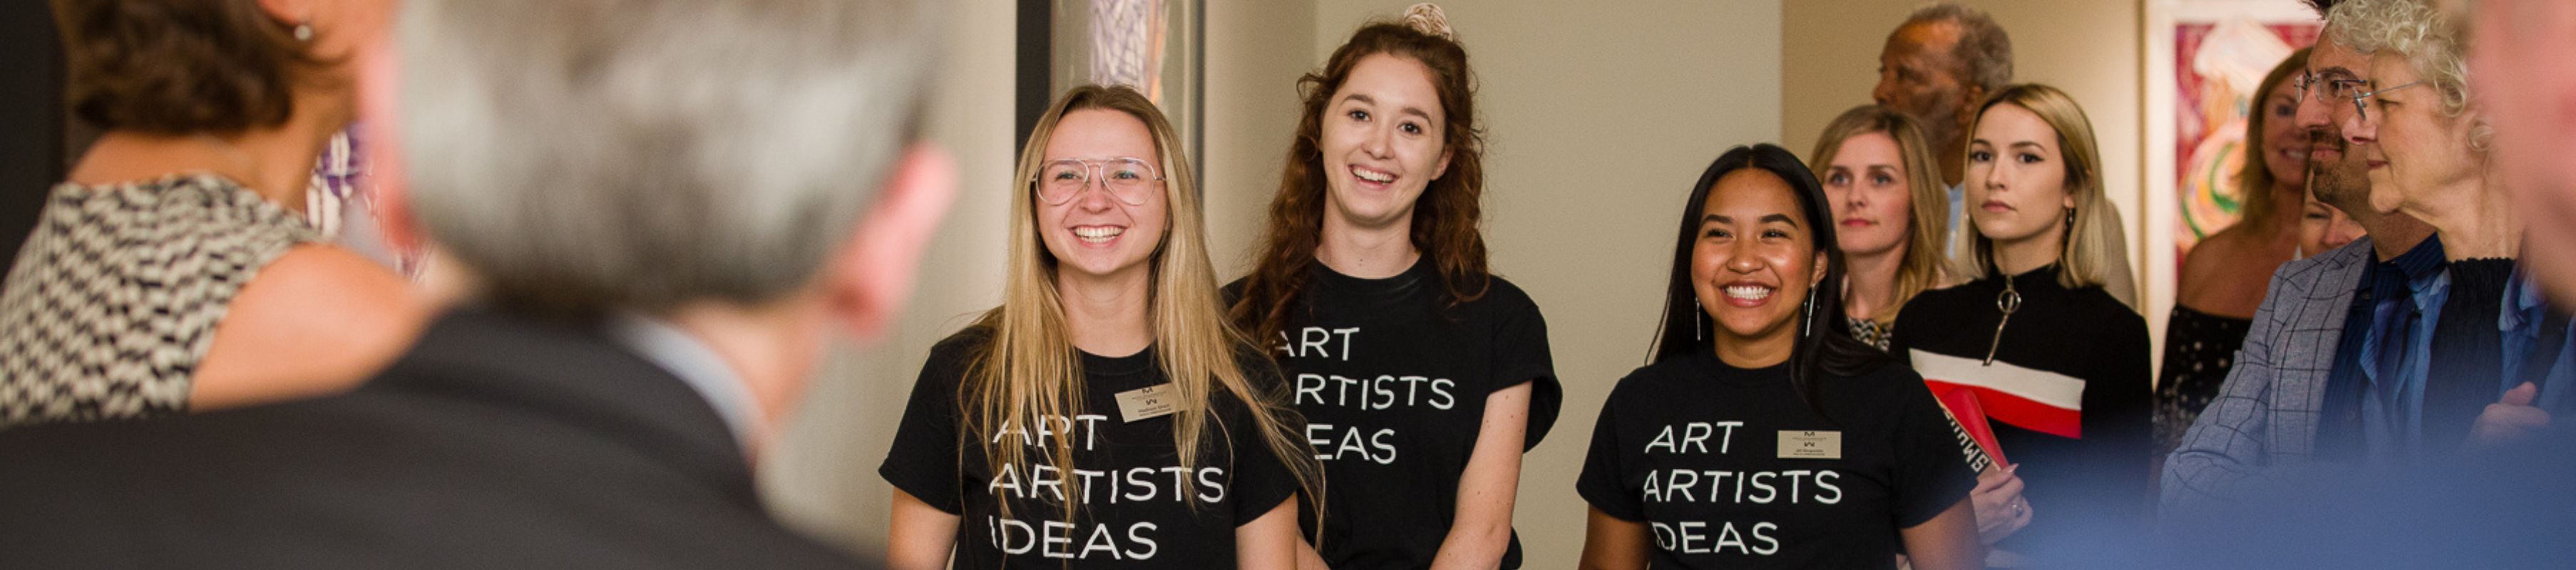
<point>2528,304</point>
<point>2422,260</point>
<point>683,355</point>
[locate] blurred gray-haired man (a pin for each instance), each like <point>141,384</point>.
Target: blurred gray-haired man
<point>663,207</point>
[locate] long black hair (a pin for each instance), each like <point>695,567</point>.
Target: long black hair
<point>1825,346</point>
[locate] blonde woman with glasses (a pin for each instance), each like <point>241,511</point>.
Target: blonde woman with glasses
<point>1105,415</point>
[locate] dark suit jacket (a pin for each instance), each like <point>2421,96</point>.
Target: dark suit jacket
<point>495,443</point>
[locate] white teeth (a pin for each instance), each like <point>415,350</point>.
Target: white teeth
<point>1373,176</point>
<point>1749,292</point>
<point>1097,234</point>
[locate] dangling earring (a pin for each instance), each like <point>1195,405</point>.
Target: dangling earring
<point>304,31</point>
<point>1807,325</point>
<point>1699,323</point>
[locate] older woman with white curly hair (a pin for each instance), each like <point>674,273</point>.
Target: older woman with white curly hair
<point>2430,156</point>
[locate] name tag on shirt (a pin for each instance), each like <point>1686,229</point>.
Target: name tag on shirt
<point>1811,444</point>
<point>1146,403</point>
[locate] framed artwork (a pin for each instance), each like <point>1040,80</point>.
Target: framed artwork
<point>1151,45</point>
<point>2204,61</point>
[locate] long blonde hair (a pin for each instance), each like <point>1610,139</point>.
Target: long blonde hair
<point>2085,257</point>
<point>1928,211</point>
<point>1030,368</point>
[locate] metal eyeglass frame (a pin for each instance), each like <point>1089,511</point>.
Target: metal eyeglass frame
<point>1092,171</point>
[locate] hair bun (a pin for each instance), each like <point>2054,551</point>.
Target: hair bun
<point>1427,18</point>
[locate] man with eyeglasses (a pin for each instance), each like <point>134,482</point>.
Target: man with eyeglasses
<point>2295,395</point>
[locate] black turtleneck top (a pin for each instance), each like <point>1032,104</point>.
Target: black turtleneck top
<point>2068,395</point>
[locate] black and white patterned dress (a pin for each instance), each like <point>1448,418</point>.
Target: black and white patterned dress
<point>115,297</point>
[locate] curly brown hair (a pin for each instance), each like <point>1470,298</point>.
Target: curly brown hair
<point>179,66</point>
<point>1447,224</point>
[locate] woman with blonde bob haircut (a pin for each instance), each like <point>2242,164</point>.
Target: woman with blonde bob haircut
<point>1105,415</point>
<point>2092,237</point>
<point>2057,365</point>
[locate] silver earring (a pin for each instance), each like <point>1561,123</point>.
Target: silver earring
<point>1807,325</point>
<point>304,31</point>
<point>1699,321</point>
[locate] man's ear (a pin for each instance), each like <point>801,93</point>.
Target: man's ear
<point>871,274</point>
<point>1973,96</point>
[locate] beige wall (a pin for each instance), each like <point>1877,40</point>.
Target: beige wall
<point>2090,48</point>
<point>1255,52</point>
<point>1599,115</point>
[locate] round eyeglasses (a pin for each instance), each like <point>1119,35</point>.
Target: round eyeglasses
<point>1129,179</point>
<point>2340,88</point>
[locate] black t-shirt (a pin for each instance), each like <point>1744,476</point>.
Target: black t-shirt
<point>1694,448</point>
<point>1393,382</point>
<point>1137,506</point>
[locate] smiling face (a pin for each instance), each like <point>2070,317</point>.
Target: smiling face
<point>2323,228</point>
<point>2016,177</point>
<point>1755,259</point>
<point>1382,142</point>
<point>1094,235</point>
<point>1872,202</point>
<point>2285,145</point>
<point>2413,151</point>
<point>2342,180</point>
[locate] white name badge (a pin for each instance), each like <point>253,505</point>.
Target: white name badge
<point>1147,403</point>
<point>1811,444</point>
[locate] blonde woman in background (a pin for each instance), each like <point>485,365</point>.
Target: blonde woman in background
<point>2224,278</point>
<point>2058,364</point>
<point>1876,169</point>
<point>1105,415</point>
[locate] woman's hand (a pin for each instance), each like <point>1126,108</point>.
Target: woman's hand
<point>1999,507</point>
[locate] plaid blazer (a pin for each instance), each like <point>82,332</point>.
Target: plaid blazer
<point>2264,420</point>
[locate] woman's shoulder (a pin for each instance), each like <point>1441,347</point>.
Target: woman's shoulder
<point>214,212</point>
<point>954,351</point>
<point>214,228</point>
<point>2096,305</point>
<point>1646,381</point>
<point>1940,302</point>
<point>315,312</point>
<point>2215,275</point>
<point>1879,380</point>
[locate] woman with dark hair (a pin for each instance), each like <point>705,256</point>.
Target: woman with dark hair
<point>174,269</point>
<point>1761,434</point>
<point>1423,376</point>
